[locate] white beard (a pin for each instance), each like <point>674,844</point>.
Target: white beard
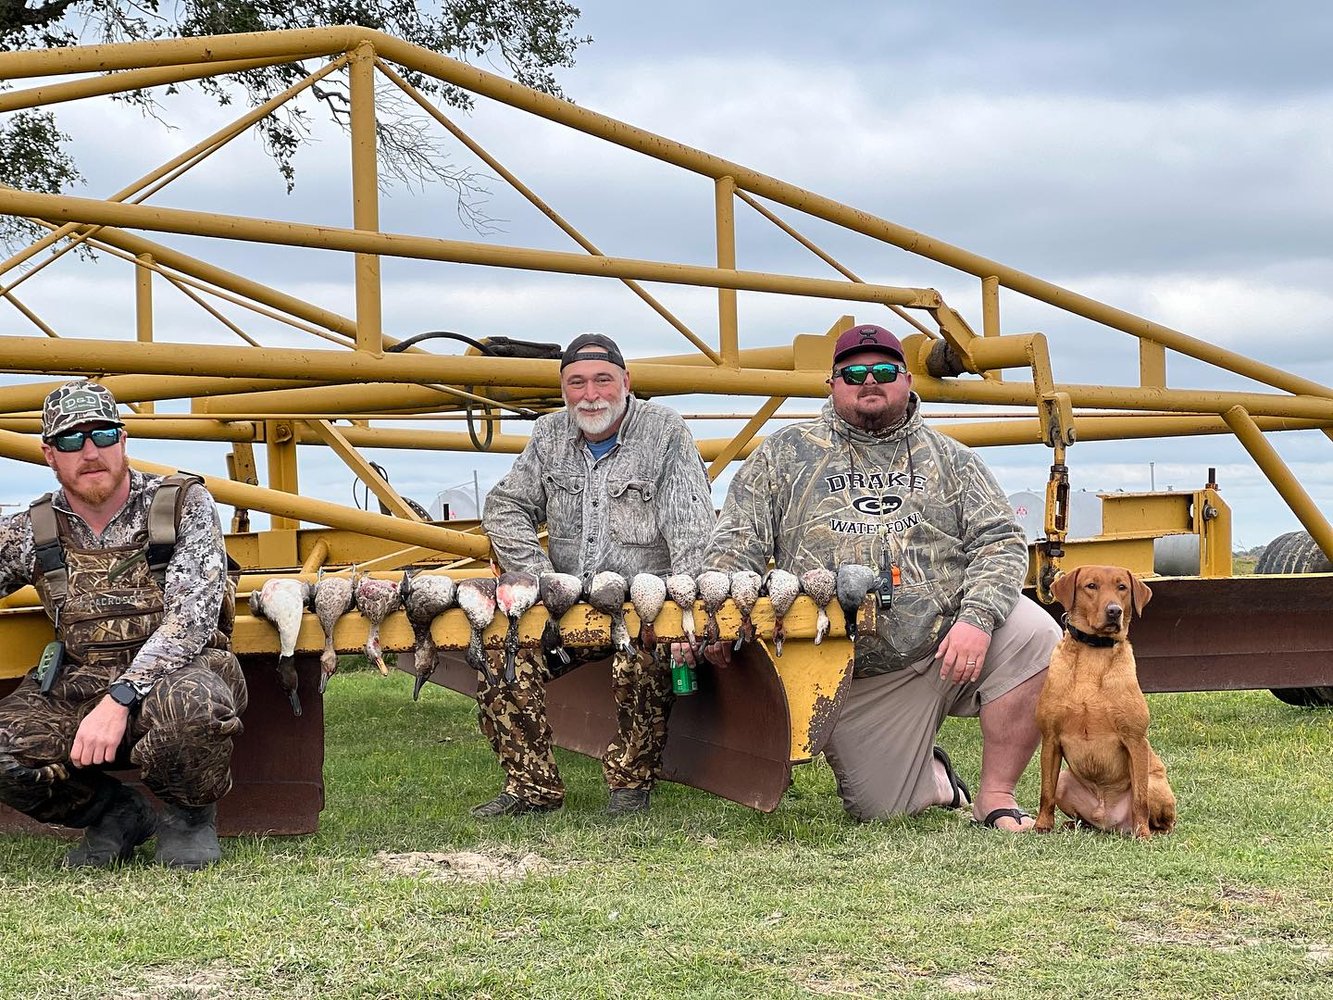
<point>598,418</point>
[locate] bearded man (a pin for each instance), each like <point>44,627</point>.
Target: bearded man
<point>620,485</point>
<point>131,569</point>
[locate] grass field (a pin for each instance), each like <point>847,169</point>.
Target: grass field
<point>705,898</point>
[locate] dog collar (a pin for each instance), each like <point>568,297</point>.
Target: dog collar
<point>1088,640</point>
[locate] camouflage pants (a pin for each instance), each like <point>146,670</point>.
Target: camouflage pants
<point>513,717</point>
<point>179,736</point>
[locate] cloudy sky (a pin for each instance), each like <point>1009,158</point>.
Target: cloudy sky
<point>1171,160</point>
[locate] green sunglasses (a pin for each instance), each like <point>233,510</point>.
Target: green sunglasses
<point>103,437</point>
<point>884,372</point>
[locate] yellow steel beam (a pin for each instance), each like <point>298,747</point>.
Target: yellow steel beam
<point>732,448</point>
<point>728,320</point>
<point>279,504</point>
<point>541,205</point>
<point>365,196</point>
<point>377,484</point>
<point>63,208</point>
<point>1288,486</point>
<point>280,448</point>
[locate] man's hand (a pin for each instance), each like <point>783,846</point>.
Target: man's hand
<point>100,733</point>
<point>962,653</point>
<point>716,653</point>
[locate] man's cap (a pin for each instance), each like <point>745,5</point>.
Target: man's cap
<point>576,351</point>
<point>867,337</point>
<point>76,403</point>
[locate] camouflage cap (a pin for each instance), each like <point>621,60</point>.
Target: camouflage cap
<point>76,403</point>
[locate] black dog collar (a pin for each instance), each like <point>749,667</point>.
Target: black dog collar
<point>1101,641</point>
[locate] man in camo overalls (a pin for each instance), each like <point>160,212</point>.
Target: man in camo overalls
<point>131,569</point>
<point>621,487</point>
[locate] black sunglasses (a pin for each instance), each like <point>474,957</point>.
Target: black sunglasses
<point>884,372</point>
<point>103,437</point>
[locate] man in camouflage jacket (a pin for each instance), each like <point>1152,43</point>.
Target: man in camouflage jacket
<point>146,677</point>
<point>868,482</point>
<point>621,487</point>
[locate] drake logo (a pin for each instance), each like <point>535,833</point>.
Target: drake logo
<point>878,506</point>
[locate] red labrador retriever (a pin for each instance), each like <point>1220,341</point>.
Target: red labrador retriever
<point>1092,713</point>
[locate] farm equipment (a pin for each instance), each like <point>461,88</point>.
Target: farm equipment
<point>740,736</point>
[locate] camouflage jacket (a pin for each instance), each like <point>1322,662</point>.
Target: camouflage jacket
<point>195,577</point>
<point>821,493</point>
<point>644,507</point>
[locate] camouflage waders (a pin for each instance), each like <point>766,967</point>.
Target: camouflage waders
<point>513,717</point>
<point>106,603</point>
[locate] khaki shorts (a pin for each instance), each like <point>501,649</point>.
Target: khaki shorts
<point>880,748</point>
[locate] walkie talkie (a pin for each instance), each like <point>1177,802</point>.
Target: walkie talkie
<point>50,665</point>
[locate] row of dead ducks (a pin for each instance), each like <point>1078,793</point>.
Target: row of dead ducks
<point>282,601</point>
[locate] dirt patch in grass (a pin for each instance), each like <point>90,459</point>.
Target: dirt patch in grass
<point>463,866</point>
<point>214,981</point>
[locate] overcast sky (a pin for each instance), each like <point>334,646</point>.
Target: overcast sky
<point>1169,159</point>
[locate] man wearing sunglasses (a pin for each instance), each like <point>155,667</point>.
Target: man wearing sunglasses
<point>131,570</point>
<point>868,482</point>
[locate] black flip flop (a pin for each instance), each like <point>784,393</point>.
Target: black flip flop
<point>961,795</point>
<point>1017,815</point>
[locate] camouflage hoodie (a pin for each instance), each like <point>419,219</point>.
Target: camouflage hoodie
<point>823,492</point>
<point>644,507</point>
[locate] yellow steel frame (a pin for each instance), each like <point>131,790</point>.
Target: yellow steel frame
<point>284,399</point>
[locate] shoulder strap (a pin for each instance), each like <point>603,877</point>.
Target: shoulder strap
<point>47,550</point>
<point>164,514</point>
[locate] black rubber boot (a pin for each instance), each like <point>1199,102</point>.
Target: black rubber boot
<point>187,837</point>
<point>125,823</point>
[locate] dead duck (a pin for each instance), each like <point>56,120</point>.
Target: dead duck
<point>476,597</point>
<point>281,601</point>
<point>853,582</point>
<point>647,593</point>
<point>376,600</point>
<point>515,593</point>
<point>425,597</point>
<point>559,592</point>
<point>606,593</point>
<point>782,588</point>
<point>683,590</point>
<point>714,587</point>
<point>821,586</point>
<point>331,598</point>
<point>745,587</point>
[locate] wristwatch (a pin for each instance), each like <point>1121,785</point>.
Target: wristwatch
<point>123,693</point>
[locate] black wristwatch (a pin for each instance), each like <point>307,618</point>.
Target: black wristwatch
<point>123,693</point>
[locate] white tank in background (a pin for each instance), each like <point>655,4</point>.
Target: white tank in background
<point>1085,514</point>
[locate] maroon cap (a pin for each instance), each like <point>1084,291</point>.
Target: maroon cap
<point>867,337</point>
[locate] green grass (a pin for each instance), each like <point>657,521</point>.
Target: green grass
<point>705,898</point>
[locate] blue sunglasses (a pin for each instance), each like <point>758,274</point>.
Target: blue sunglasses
<point>103,437</point>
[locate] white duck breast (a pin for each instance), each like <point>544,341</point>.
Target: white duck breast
<point>782,588</point>
<point>376,600</point>
<point>647,592</point>
<point>477,599</point>
<point>332,599</point>
<point>820,585</point>
<point>428,597</point>
<point>713,590</point>
<point>683,590</point>
<point>515,593</point>
<point>745,587</point>
<point>282,602</point>
<point>853,584</point>
<point>606,593</point>
<point>559,592</point>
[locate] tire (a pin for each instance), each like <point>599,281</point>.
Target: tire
<point>1296,552</point>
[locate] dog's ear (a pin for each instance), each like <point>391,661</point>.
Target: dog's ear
<point>1063,589</point>
<point>1139,594</point>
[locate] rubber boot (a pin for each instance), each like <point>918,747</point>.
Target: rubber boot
<point>125,823</point>
<point>187,837</point>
